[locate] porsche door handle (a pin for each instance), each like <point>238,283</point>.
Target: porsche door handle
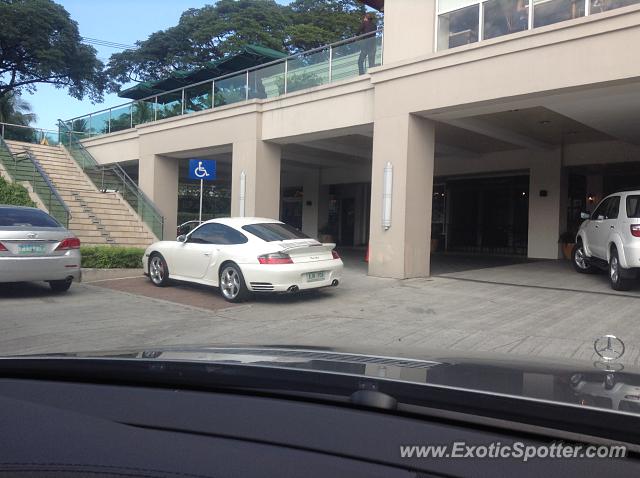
<point>612,227</point>
<point>207,253</point>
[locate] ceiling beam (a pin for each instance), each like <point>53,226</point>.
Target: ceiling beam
<point>495,132</point>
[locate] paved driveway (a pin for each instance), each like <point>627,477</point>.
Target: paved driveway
<point>532,308</point>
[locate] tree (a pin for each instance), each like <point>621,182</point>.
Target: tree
<point>15,110</point>
<point>210,33</point>
<point>40,43</point>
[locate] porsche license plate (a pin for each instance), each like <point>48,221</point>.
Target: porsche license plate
<point>315,276</point>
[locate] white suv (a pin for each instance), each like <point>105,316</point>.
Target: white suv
<point>610,238</point>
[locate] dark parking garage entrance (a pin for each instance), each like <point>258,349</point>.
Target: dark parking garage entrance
<point>483,215</point>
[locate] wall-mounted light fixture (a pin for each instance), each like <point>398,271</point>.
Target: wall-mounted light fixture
<point>387,192</point>
<point>590,198</point>
<point>243,190</point>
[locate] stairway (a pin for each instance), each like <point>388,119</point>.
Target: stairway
<point>97,218</point>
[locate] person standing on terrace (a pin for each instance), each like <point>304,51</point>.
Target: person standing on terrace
<point>368,45</point>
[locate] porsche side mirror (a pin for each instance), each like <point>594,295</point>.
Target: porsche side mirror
<point>585,215</point>
<point>181,238</point>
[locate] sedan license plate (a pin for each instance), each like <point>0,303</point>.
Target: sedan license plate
<point>30,249</point>
<point>315,276</point>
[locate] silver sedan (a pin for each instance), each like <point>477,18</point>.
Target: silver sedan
<point>36,247</point>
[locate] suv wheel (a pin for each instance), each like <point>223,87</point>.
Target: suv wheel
<point>616,272</point>
<point>581,262</point>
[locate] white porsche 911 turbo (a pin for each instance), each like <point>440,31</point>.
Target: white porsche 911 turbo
<point>241,255</point>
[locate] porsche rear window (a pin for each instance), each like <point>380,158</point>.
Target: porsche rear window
<point>633,206</point>
<point>10,217</point>
<point>275,232</point>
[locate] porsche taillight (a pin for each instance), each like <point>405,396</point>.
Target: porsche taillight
<point>2,248</point>
<point>275,258</point>
<point>635,230</point>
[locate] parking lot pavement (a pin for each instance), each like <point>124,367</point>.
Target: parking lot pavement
<point>194,295</point>
<point>490,309</point>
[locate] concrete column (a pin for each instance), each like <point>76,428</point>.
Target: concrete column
<point>158,178</point>
<point>545,212</point>
<point>402,251</point>
<point>408,29</point>
<point>260,162</point>
<point>311,192</point>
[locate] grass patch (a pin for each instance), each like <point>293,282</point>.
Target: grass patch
<point>111,257</point>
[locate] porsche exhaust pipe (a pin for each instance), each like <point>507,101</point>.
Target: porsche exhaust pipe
<point>335,282</point>
<point>293,289</point>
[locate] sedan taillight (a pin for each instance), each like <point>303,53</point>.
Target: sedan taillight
<point>275,258</point>
<point>69,243</point>
<point>2,248</point>
<point>635,230</point>
<point>335,254</point>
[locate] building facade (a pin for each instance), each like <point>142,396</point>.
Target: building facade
<point>479,126</point>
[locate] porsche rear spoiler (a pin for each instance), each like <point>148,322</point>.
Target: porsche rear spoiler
<point>308,247</point>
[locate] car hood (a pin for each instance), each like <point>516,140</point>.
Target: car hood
<point>603,384</point>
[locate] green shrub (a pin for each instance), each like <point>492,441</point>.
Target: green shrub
<point>14,194</point>
<point>111,257</point>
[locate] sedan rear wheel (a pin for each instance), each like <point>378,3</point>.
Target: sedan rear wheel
<point>232,285</point>
<point>60,286</point>
<point>158,270</point>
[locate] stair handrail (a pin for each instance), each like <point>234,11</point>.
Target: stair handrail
<point>45,177</point>
<point>87,160</point>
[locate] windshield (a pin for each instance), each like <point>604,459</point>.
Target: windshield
<point>10,217</point>
<point>275,232</point>
<point>451,181</point>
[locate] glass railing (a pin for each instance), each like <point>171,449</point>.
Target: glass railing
<point>461,22</point>
<point>321,66</point>
<point>23,167</point>
<point>29,134</point>
<point>112,178</point>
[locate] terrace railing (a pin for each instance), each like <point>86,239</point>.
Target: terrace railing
<point>29,134</point>
<point>111,177</point>
<point>23,167</point>
<point>320,66</point>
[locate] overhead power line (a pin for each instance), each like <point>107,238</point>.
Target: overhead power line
<point>108,44</point>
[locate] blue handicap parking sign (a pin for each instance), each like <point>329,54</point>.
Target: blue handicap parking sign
<point>204,169</point>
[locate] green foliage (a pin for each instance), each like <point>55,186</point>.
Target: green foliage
<point>40,43</point>
<point>209,33</point>
<point>14,194</point>
<point>111,257</point>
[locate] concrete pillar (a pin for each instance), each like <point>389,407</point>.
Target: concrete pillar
<point>402,251</point>
<point>260,162</point>
<point>158,178</point>
<point>545,211</point>
<point>310,191</point>
<point>408,29</point>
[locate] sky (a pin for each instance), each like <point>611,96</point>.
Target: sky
<point>120,21</point>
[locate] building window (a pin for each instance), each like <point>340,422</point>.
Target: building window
<point>461,22</point>
<point>502,17</point>
<point>547,12</point>
<point>458,27</point>
<point>599,6</point>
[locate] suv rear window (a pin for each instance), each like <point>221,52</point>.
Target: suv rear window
<point>633,206</point>
<point>16,217</point>
<point>275,232</point>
